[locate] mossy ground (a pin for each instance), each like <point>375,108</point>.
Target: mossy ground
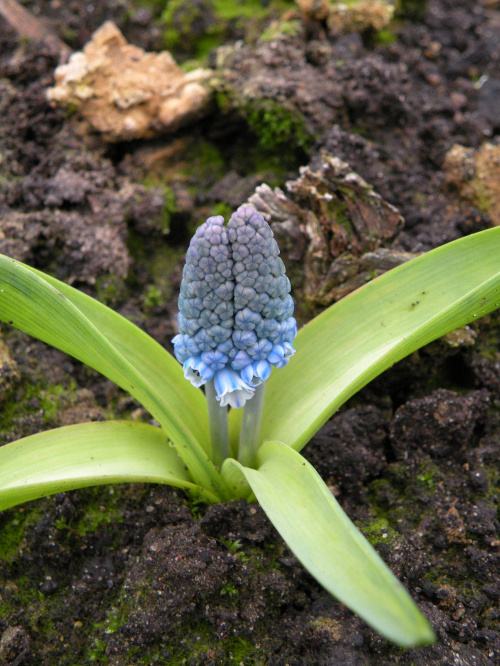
<point>195,28</point>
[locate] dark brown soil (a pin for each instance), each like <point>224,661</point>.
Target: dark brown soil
<point>140,575</point>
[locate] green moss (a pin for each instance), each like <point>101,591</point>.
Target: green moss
<point>276,125</point>
<point>277,29</point>
<point>349,3</point>
<point>244,11</point>
<point>116,617</point>
<point>163,262</point>
<point>283,140</point>
<point>152,298</point>
<point>97,515</point>
<point>208,43</point>
<point>229,10</point>
<point>190,65</point>
<point>203,164</point>
<point>398,497</point>
<point>12,526</point>
<point>179,18</point>
<point>493,477</point>
<point>33,399</point>
<point>97,509</point>
<point>200,645</point>
<point>233,545</point>
<point>205,155</point>
<point>155,6</point>
<point>488,329</point>
<point>26,599</point>
<point>380,531</point>
<point>169,206</point>
<point>419,198</point>
<point>51,400</point>
<point>98,652</point>
<point>229,589</point>
<point>340,213</point>
<point>195,29</point>
<point>12,534</point>
<point>223,100</point>
<point>483,197</point>
<point>426,480</point>
<point>413,10</point>
<point>384,37</point>
<point>110,290</point>
<point>100,508</point>
<point>222,209</point>
<point>192,28</point>
<point>70,36</point>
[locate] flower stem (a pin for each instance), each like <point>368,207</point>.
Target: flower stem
<point>217,421</point>
<point>250,427</point>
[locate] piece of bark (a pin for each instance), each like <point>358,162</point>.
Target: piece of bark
<point>334,231</point>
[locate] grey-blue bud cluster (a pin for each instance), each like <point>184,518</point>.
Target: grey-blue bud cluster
<point>235,309</point>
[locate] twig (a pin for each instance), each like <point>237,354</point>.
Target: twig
<point>28,26</point>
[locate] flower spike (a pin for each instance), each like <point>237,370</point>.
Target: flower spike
<point>235,309</point>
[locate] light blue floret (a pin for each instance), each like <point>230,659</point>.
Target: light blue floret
<point>235,309</point>
<point>231,389</point>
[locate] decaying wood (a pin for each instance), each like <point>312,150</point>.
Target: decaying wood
<point>28,26</point>
<point>334,231</point>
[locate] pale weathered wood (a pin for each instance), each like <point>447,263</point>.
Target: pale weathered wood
<point>28,26</point>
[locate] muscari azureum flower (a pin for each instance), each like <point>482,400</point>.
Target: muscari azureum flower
<point>235,309</point>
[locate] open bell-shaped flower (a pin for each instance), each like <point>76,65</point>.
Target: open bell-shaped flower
<point>231,389</point>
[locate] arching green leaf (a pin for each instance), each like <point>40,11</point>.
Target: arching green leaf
<point>322,537</point>
<point>365,333</point>
<point>90,454</point>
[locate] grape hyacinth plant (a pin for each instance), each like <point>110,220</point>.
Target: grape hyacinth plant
<point>231,441</point>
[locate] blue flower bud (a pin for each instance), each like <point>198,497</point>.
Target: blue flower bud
<point>247,319</point>
<point>204,341</point>
<point>243,339</point>
<point>215,360</point>
<point>241,360</point>
<point>180,348</point>
<point>260,350</point>
<point>235,310</point>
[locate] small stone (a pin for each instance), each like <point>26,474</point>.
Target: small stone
<point>479,480</point>
<point>461,337</point>
<point>49,586</point>
<point>349,17</point>
<point>489,101</point>
<point>14,646</point>
<point>476,176</point>
<point>492,590</point>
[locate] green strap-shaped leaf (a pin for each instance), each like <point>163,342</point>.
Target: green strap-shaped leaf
<point>322,537</point>
<point>32,304</point>
<point>89,454</point>
<point>164,374</point>
<point>362,335</point>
